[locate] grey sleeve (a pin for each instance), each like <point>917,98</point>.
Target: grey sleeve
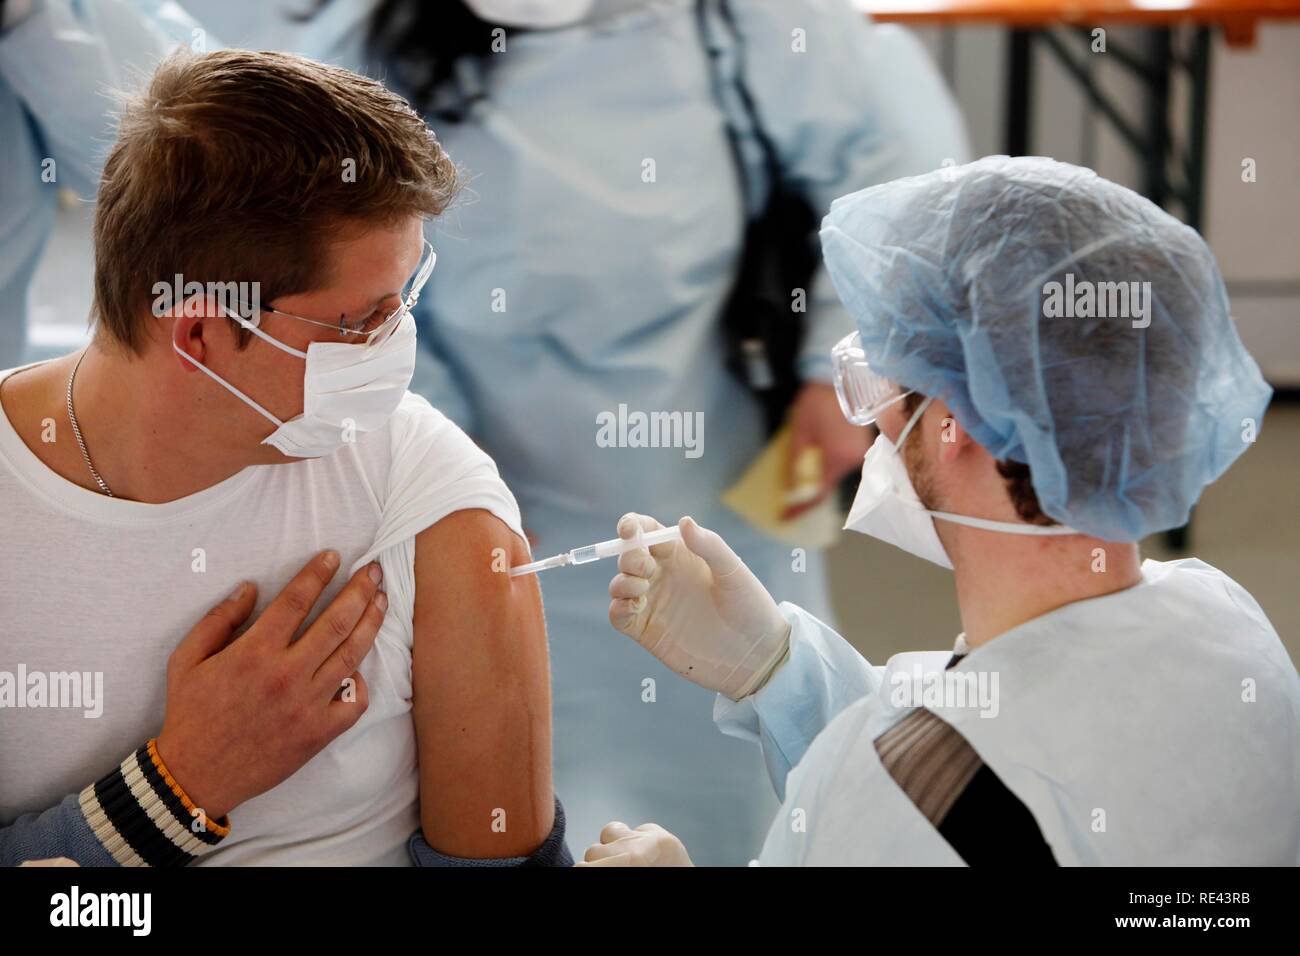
<point>552,852</point>
<point>61,830</point>
<point>134,815</point>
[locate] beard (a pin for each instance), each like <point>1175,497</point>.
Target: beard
<point>918,471</point>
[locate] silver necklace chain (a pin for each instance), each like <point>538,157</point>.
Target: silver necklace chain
<point>76,430</point>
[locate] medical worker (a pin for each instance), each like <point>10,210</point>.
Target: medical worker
<point>60,62</point>
<point>1051,363</point>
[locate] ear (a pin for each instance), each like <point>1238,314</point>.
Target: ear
<point>953,439</point>
<point>187,329</point>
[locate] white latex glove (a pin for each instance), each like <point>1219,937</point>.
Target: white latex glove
<point>696,606</point>
<point>647,845</point>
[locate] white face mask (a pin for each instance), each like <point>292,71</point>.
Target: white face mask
<point>887,505</point>
<point>347,389</point>
<point>531,14</point>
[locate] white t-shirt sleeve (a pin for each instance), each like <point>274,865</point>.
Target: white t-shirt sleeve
<point>436,470</point>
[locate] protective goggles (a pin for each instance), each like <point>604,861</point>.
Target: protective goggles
<point>370,330</point>
<point>863,392</point>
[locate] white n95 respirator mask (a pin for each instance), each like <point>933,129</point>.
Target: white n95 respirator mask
<point>531,14</point>
<point>887,505</point>
<point>347,388</point>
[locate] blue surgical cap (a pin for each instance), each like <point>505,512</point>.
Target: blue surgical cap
<point>1069,323</point>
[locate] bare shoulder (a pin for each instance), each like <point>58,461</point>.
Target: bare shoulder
<point>471,546</point>
<point>472,619</point>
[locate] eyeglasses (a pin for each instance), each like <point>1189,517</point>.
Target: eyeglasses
<point>373,330</point>
<point>863,392</point>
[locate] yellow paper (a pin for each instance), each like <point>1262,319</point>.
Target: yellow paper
<point>761,495</point>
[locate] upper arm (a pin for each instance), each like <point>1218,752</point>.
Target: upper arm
<point>481,682</point>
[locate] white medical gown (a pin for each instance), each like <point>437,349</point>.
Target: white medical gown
<point>1159,725</point>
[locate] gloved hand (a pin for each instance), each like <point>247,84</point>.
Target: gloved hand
<point>696,606</point>
<point>647,845</point>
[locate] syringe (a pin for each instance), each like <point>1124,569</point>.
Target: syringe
<point>601,549</point>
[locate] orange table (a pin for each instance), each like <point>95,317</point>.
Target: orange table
<point>1237,18</point>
